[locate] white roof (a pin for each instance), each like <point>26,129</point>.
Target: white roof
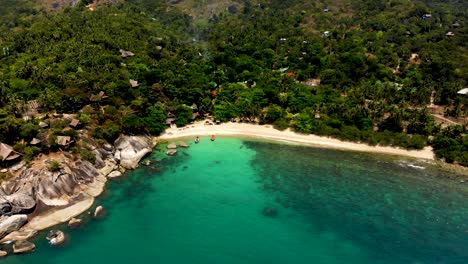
<point>463,91</point>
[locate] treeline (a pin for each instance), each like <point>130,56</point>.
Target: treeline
<point>362,71</point>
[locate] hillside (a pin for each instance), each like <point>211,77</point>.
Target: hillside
<point>380,72</point>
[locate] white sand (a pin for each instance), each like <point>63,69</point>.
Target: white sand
<point>268,132</point>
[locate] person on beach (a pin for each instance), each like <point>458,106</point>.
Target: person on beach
<point>197,139</point>
<point>213,138</point>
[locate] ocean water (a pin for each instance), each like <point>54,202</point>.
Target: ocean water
<point>245,201</point>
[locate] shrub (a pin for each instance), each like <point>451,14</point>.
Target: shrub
<point>53,166</point>
<point>88,155</point>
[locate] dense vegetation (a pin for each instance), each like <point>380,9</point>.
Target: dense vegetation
<point>378,62</point>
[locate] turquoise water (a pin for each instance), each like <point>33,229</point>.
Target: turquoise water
<point>244,201</point>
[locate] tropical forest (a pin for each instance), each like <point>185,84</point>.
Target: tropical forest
<point>379,72</point>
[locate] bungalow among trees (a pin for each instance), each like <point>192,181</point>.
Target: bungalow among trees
<point>64,141</point>
<point>7,153</point>
<point>74,123</point>
<point>35,141</point>
<point>126,54</point>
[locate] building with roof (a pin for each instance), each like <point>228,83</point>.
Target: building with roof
<point>64,141</point>
<point>134,83</point>
<point>7,153</point>
<point>126,54</point>
<point>74,123</point>
<point>35,141</point>
<point>463,91</point>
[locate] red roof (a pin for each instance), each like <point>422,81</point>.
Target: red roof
<point>214,93</point>
<point>290,74</point>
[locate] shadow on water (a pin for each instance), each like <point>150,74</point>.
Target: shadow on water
<point>372,200</point>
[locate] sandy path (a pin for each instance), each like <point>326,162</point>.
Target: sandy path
<point>268,132</point>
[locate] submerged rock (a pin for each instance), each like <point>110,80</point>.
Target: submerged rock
<point>183,144</point>
<point>270,212</point>
<point>171,152</point>
<point>23,246</point>
<point>172,146</point>
<point>56,237</point>
<point>12,223</point>
<point>74,222</point>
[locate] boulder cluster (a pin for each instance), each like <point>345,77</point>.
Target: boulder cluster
<point>39,190</point>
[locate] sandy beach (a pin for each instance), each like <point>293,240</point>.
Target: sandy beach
<point>268,132</point>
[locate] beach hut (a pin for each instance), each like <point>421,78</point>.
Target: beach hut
<point>195,116</point>
<point>170,121</point>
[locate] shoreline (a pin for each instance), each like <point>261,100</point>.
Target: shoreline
<point>268,132</point>
<point>89,192</point>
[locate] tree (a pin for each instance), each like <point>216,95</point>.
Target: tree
<point>155,120</point>
<point>183,115</point>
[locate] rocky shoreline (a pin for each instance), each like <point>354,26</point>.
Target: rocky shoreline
<point>38,198</point>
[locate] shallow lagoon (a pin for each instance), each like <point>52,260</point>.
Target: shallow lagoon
<point>244,201</point>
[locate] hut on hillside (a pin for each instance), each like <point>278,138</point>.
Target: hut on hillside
<point>64,141</point>
<point>101,97</point>
<point>43,124</point>
<point>35,141</point>
<point>463,91</point>
<point>134,83</point>
<point>126,54</point>
<point>74,123</point>
<point>7,153</point>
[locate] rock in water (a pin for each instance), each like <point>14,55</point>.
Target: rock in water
<point>183,144</point>
<point>74,222</point>
<point>56,237</point>
<point>98,212</point>
<point>114,174</point>
<point>270,212</point>
<point>172,152</point>
<point>3,253</point>
<point>11,223</point>
<point>172,146</point>
<point>23,246</point>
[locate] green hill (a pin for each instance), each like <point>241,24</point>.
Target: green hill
<point>362,71</point>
